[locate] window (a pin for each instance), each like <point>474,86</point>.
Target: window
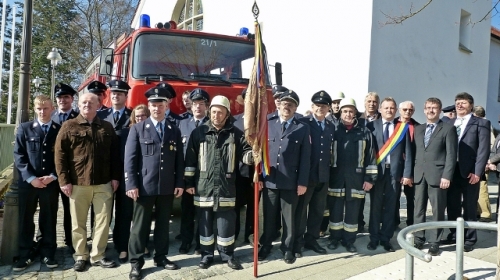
<point>189,15</point>
<point>465,31</point>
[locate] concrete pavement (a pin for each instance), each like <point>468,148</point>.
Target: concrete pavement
<point>337,264</point>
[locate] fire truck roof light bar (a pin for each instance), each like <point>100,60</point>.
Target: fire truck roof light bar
<point>145,21</point>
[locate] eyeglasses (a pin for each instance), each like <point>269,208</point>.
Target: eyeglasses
<point>407,110</point>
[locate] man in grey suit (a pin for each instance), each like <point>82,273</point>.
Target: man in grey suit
<point>473,152</point>
<point>436,156</point>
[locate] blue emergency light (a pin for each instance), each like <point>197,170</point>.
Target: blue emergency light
<point>145,21</point>
<point>243,31</point>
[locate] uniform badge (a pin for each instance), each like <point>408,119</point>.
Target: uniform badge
<point>147,126</point>
<point>322,94</point>
<point>156,91</point>
<point>35,124</point>
<point>96,84</point>
<point>184,139</point>
<point>171,147</point>
<point>228,175</point>
<point>359,170</point>
<point>169,127</point>
<point>53,126</point>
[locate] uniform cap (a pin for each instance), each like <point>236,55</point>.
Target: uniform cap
<point>97,87</point>
<point>221,100</point>
<point>321,97</point>
<point>347,102</point>
<point>448,109</point>
<point>62,89</point>
<point>118,85</point>
<point>199,94</point>
<point>290,95</point>
<point>157,94</point>
<point>170,90</point>
<point>278,90</point>
<point>338,96</point>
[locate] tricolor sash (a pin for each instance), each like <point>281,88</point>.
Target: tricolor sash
<point>397,135</point>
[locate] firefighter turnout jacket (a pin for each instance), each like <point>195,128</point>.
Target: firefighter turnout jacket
<point>212,158</point>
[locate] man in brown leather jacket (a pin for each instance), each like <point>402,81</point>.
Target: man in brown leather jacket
<point>86,159</point>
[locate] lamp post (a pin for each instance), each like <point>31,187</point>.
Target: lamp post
<point>54,58</point>
<point>10,228</point>
<point>37,82</point>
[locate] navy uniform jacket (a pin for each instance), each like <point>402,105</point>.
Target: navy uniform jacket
<point>244,170</point>
<point>186,115</point>
<point>321,149</point>
<point>34,151</point>
<point>71,115</point>
<point>153,166</point>
<point>274,115</point>
<point>289,154</point>
<point>173,118</point>
<point>474,146</point>
<point>401,156</point>
<point>187,126</point>
<point>123,122</point>
<point>332,118</point>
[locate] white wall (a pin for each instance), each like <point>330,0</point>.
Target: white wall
<point>420,58</point>
<point>492,106</point>
<point>158,11</point>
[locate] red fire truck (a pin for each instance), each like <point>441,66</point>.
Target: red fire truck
<point>185,59</point>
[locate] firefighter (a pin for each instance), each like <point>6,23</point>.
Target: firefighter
<point>199,103</point>
<point>353,172</point>
<point>214,150</point>
<point>334,115</point>
<point>312,204</point>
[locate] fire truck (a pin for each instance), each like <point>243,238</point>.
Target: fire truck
<point>219,64</point>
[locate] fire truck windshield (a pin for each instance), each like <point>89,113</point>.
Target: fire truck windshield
<point>192,58</point>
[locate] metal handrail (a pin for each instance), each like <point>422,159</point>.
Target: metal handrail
<point>405,239</point>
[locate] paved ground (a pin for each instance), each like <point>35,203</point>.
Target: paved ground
<point>337,264</point>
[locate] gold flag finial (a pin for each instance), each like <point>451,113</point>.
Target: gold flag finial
<point>255,10</point>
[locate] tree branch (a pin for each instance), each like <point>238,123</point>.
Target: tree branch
<point>400,19</point>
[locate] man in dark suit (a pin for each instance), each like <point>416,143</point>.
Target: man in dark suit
<point>119,116</point>
<point>199,105</point>
<point>395,166</point>
<point>473,153</point>
<point>34,160</point>
<point>154,170</point>
<point>311,205</point>
<point>64,97</point>
<point>406,111</point>
<point>290,154</point>
<point>99,89</point>
<point>436,156</point>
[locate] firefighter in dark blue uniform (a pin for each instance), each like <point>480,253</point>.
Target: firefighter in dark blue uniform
<point>64,97</point>
<point>34,160</point>
<point>199,104</point>
<point>290,154</point>
<point>311,206</point>
<point>353,173</point>
<point>98,89</point>
<point>245,189</point>
<point>169,115</point>
<point>119,116</point>
<point>154,169</point>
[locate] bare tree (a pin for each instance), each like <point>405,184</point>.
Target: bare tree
<point>399,19</point>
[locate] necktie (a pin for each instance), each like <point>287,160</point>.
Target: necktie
<point>159,129</point>
<point>283,127</point>
<point>196,123</point>
<point>459,126</point>
<point>386,131</point>
<point>62,117</point>
<point>45,128</point>
<point>116,116</point>
<point>320,126</point>
<point>428,134</point>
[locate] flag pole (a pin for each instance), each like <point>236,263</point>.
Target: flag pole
<point>255,124</point>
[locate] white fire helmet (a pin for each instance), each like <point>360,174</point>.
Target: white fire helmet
<point>347,102</point>
<point>221,101</point>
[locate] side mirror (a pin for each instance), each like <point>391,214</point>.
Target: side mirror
<point>106,62</point>
<point>278,74</point>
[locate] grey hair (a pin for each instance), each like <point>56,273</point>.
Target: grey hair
<point>404,102</point>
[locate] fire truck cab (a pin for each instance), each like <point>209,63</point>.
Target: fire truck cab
<point>219,64</point>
